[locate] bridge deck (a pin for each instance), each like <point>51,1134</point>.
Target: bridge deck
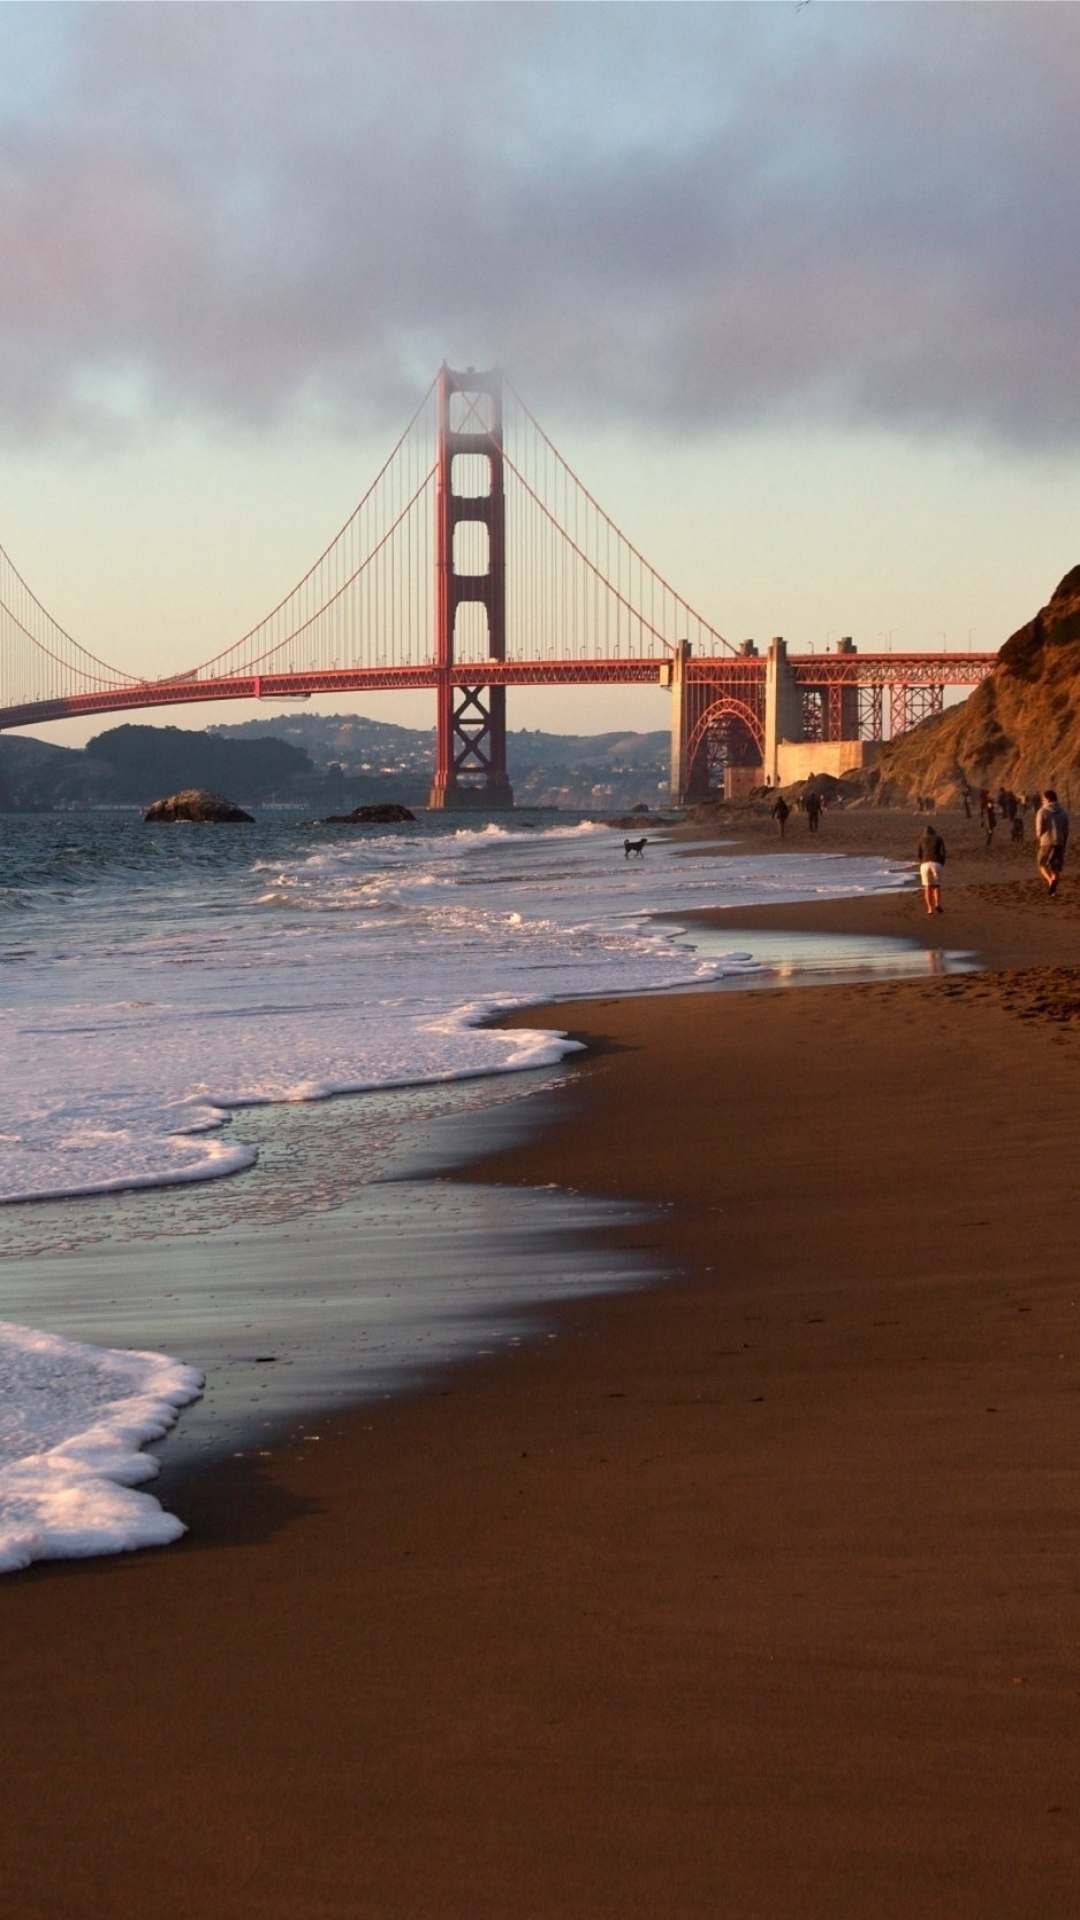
<point>853,669</point>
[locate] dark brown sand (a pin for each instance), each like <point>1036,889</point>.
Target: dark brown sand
<point>755,1596</point>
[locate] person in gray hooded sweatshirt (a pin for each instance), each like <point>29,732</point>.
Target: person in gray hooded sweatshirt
<point>1052,835</point>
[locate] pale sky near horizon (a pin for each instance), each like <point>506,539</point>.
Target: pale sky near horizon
<point>794,288</point>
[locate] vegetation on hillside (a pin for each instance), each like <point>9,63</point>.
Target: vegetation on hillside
<point>147,762</point>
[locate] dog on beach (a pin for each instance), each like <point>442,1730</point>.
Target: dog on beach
<point>634,846</point>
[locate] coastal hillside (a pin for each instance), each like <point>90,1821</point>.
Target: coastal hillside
<point>599,771</point>
<point>329,762</point>
<point>1020,729</point>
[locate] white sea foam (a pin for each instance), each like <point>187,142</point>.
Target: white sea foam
<point>73,1419</point>
<point>189,978</point>
<point>141,1018</point>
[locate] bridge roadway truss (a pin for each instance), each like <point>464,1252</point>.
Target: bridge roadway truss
<point>719,722</point>
<point>478,561</point>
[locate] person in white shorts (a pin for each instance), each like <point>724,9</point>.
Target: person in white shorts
<point>931,858</point>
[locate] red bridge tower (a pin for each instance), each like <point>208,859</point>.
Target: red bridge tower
<point>470,753</point>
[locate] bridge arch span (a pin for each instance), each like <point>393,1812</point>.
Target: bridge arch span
<point>728,732</point>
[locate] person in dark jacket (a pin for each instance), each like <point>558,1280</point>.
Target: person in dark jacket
<point>931,858</point>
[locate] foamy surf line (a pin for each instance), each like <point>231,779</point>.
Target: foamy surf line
<point>66,1152</point>
<point>129,1087</point>
<point>134,1032</point>
<point>73,1422</point>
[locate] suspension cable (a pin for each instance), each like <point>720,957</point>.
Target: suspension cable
<point>116,672</point>
<point>307,624</point>
<point>236,645</point>
<point>617,530</point>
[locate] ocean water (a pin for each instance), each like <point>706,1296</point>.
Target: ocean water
<point>166,992</point>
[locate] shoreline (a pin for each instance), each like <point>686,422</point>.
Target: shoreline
<point>232,1272</point>
<point>78,1278</point>
<point>752,1593</point>
<point>293,1307</point>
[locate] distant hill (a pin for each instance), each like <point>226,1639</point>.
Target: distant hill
<point>593,771</point>
<point>1020,729</point>
<point>328,762</point>
<point>34,774</point>
<point>150,762</point>
<point>132,764</point>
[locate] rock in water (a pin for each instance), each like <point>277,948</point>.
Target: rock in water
<point>194,803</point>
<point>636,818</point>
<point>387,815</point>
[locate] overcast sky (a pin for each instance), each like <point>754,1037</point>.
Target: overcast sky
<point>795,288</point>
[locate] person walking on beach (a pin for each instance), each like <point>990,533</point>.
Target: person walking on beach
<point>931,858</point>
<point>1052,835</point>
<point>991,821</point>
<point>780,814</point>
<point>812,803</point>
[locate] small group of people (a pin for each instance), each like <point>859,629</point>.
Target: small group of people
<point>1008,805</point>
<point>1051,838</point>
<point>811,804</point>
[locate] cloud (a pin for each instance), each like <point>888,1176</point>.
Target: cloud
<point>691,215</point>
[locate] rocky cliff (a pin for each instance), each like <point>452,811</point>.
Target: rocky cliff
<point>1019,729</point>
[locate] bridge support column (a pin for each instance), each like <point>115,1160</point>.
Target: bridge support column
<point>674,674</point>
<point>470,763</point>
<point>844,714</point>
<point>783,707</point>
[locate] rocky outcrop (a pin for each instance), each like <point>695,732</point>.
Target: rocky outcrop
<point>641,817</point>
<point>195,803</point>
<point>1020,729</point>
<point>388,815</point>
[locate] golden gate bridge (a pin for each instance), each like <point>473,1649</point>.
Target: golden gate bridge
<point>477,561</point>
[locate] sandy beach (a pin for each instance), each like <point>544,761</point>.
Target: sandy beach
<point>754,1594</point>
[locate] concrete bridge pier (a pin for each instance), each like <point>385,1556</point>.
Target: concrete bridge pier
<point>783,708</point>
<point>673,675</point>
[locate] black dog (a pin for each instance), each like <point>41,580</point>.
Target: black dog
<point>634,846</point>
